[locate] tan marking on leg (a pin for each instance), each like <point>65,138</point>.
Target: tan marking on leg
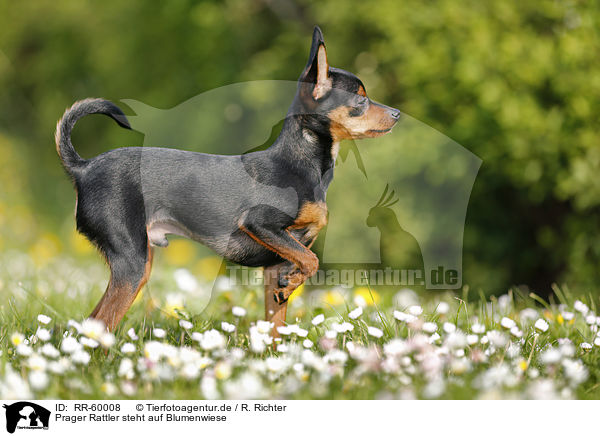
<point>117,300</point>
<point>313,217</point>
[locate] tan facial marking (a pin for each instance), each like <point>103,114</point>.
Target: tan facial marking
<point>374,122</point>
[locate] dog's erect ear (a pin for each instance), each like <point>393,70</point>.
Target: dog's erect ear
<point>316,71</point>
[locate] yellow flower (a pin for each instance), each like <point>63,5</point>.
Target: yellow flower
<point>173,303</point>
<point>548,315</point>
<point>523,365</point>
<point>299,290</point>
<point>333,298</point>
<point>560,319</point>
<point>364,293</point>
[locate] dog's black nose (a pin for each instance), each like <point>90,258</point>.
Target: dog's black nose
<point>395,113</point>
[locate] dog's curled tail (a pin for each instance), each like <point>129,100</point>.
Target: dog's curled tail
<point>69,157</point>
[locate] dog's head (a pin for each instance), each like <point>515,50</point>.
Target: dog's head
<point>341,97</point>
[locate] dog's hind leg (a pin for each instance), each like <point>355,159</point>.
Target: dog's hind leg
<point>129,273</point>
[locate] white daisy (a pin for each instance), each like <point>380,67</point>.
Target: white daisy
<point>17,339</point>
<point>375,332</point>
<point>50,351</point>
<point>185,324</point>
<point>507,323</point>
<point>449,327</point>
<point>442,308</point>
<point>38,380</point>
<point>415,310</point>
<point>44,319</point>
<point>355,313</point>
<point>37,362</point>
<point>81,357</point>
<point>107,339</point>
<point>581,307</point>
<point>284,330</point>
<point>516,332</point>
<point>318,319</point>
<point>43,334</point>
<point>307,343</point>
<point>456,340</point>
<point>434,338</point>
<point>127,348</point>
<point>429,327</point>
<point>226,327</point>
<point>478,328</point>
<point>74,324</point>
<point>92,328</point>
<point>88,342</point>
<point>472,339</point>
<point>212,339</point>
<point>238,311</point>
<point>404,317</point>
<point>550,356</point>
<point>159,333</point>
<point>24,350</point>
<point>126,369</point>
<point>541,325</point>
<point>264,326</point>
<point>70,345</point>
<point>132,335</point>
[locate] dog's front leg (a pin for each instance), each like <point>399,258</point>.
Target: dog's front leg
<point>274,311</point>
<point>279,287</point>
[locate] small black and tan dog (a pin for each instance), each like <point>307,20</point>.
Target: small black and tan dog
<point>263,208</point>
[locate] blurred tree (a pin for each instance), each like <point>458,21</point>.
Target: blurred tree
<point>517,83</point>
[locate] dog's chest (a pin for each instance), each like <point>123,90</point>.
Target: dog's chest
<point>312,217</point>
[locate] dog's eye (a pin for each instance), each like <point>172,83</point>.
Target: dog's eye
<point>359,107</point>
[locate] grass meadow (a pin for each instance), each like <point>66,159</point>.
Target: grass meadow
<point>189,336</point>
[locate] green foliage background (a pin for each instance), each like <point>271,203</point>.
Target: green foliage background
<point>516,83</point>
